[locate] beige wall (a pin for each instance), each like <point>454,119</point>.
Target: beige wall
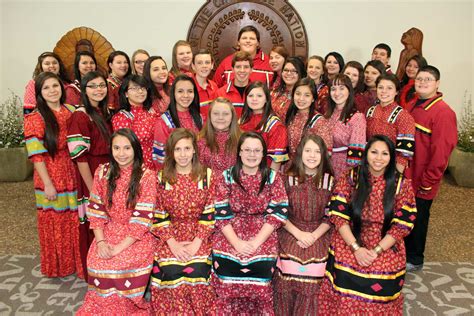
<point>351,27</point>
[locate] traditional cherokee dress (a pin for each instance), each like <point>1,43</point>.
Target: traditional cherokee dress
<point>141,122</point>
<point>348,141</point>
<point>29,99</point>
<point>163,128</point>
<point>220,160</point>
<point>377,289</point>
<point>73,93</point>
<point>300,271</point>
<point>398,125</point>
<point>243,284</point>
<point>86,144</point>
<point>280,103</point>
<point>317,126</point>
<point>276,81</point>
<point>363,101</point>
<point>57,220</point>
<point>273,132</point>
<point>113,87</point>
<point>161,105</point>
<point>117,285</point>
<point>185,211</point>
<point>322,103</point>
<point>182,71</point>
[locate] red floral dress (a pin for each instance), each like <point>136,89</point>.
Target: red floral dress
<point>163,128</point>
<point>57,220</point>
<point>243,284</point>
<point>220,160</point>
<point>274,133</point>
<point>348,141</point>
<point>117,285</point>
<point>185,211</point>
<point>161,105</point>
<point>322,103</point>
<point>29,99</point>
<point>377,289</point>
<point>280,103</point>
<point>300,271</point>
<point>398,125</point>
<point>141,122</point>
<point>73,93</point>
<point>113,87</point>
<point>86,144</point>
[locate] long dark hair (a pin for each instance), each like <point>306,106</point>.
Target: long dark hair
<point>51,131</point>
<point>340,61</point>
<point>194,107</point>
<point>297,169</point>
<point>138,80</point>
<point>377,64</point>
<point>137,171</point>
<point>116,53</point>
<point>101,120</point>
<point>359,88</point>
<point>262,167</point>
<point>364,187</point>
<point>146,73</point>
<point>62,70</point>
<point>421,61</point>
<point>293,109</point>
<point>349,107</point>
<point>300,68</point>
<point>267,109</point>
<point>77,73</point>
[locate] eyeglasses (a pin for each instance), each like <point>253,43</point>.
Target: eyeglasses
<point>290,71</point>
<point>97,86</point>
<point>249,151</point>
<point>139,62</point>
<point>427,79</point>
<point>137,89</point>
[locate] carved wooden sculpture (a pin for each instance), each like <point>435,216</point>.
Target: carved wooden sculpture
<point>412,40</point>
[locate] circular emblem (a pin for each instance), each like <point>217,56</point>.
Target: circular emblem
<point>217,24</point>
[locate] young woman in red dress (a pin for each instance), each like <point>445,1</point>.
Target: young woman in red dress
<point>183,111</point>
<point>302,118</point>
<point>373,209</point>
<point>304,238</point>
<point>121,211</point>
<point>156,72</point>
<point>83,63</point>
<point>119,68</point>
<point>47,62</point>
<point>407,92</point>
<point>390,119</point>
<point>293,70</point>
<point>137,114</point>
<point>54,178</point>
<point>88,142</point>
<point>217,141</point>
<point>333,64</point>
<point>278,55</point>
<point>355,71</point>
<point>182,58</point>
<point>183,225</point>
<point>251,205</point>
<point>372,70</point>
<point>316,69</point>
<point>258,116</point>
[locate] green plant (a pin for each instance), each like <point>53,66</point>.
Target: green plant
<point>11,122</point>
<point>466,126</point>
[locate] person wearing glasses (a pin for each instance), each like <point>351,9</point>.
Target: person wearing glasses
<point>435,137</point>
<point>88,138</point>
<point>137,114</point>
<point>139,58</point>
<point>251,204</point>
<point>119,68</point>
<point>83,63</point>
<point>203,62</point>
<point>293,70</point>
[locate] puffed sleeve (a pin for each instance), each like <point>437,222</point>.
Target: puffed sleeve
<point>79,136</point>
<point>29,99</point>
<point>405,145</point>
<point>96,210</point>
<point>34,137</point>
<point>339,206</point>
<point>161,134</point>
<point>357,140</point>
<point>276,213</point>
<point>404,213</point>
<point>162,226</point>
<point>207,219</point>
<point>142,215</point>
<point>121,120</point>
<point>277,142</point>
<point>224,213</point>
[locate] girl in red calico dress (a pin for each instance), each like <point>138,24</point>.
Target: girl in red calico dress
<point>121,212</point>
<point>156,72</point>
<point>54,178</point>
<point>219,137</point>
<point>304,239</point>
<point>184,223</point>
<point>251,205</point>
<point>373,209</point>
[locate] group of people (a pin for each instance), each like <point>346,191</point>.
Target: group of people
<point>282,186</point>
